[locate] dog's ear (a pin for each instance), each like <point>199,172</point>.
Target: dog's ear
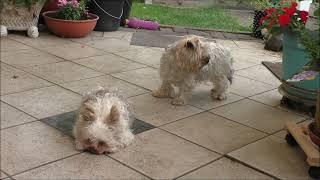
<point>190,44</point>
<point>114,114</point>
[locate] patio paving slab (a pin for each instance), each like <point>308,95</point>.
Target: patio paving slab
<point>285,162</point>
<point>257,115</point>
<point>201,98</point>
<point>31,57</point>
<point>2,175</point>
<point>72,51</point>
<point>146,56</point>
<point>14,80</point>
<point>31,145</point>
<point>214,132</point>
<point>12,117</point>
<point>161,155</point>
<point>225,169</point>
<point>159,111</point>
<point>109,82</point>
<point>11,45</point>
<point>44,102</point>
<point>44,40</point>
<point>63,72</point>
<point>113,45</point>
<point>109,64</point>
<point>82,166</point>
<point>247,87</point>
<point>144,77</point>
<point>271,98</point>
<point>260,73</point>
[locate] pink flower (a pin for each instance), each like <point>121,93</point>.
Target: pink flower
<point>74,3</point>
<point>62,3</point>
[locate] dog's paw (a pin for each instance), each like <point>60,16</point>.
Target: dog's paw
<point>220,97</point>
<point>178,102</point>
<point>161,94</point>
<point>79,146</point>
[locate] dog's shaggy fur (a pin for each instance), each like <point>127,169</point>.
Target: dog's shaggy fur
<point>103,124</point>
<point>189,61</point>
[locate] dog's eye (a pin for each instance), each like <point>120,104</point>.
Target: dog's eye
<point>89,141</point>
<point>86,118</point>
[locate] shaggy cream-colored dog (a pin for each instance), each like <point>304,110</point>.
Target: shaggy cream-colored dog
<point>103,124</point>
<point>189,61</point>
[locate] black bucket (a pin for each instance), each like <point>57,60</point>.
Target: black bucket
<point>109,12</point>
<point>126,11</point>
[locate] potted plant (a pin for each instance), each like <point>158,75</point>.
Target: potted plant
<point>301,55</point>
<point>21,15</point>
<point>72,19</point>
<point>310,71</point>
<point>284,17</point>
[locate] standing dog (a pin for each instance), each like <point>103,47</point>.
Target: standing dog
<point>103,124</point>
<point>189,61</point>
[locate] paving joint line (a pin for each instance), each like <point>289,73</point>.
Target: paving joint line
<point>197,168</point>
<point>47,163</point>
<point>252,167</point>
<point>194,143</point>
<point>128,166</point>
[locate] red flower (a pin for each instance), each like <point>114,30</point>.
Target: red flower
<point>284,19</point>
<point>304,16</point>
<point>294,4</point>
<point>269,11</point>
<point>290,11</point>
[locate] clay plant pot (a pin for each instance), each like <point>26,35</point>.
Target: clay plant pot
<point>50,5</point>
<point>314,134</point>
<point>70,28</point>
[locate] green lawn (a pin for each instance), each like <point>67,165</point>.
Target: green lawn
<point>210,17</point>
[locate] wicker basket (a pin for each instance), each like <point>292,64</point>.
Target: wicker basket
<point>20,17</point>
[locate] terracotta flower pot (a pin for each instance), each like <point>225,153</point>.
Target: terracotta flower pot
<point>70,28</point>
<point>314,135</point>
<point>50,5</point>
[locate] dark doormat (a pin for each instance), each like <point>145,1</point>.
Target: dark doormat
<point>65,122</point>
<point>153,39</point>
<point>274,67</point>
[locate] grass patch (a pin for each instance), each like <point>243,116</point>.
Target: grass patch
<point>211,17</point>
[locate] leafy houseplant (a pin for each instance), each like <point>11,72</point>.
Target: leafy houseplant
<point>71,20</point>
<point>20,15</point>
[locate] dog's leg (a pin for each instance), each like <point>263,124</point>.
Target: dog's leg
<point>184,95</point>
<point>220,90</point>
<point>164,91</point>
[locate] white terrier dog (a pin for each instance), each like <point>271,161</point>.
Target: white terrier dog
<point>189,61</point>
<point>103,124</point>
